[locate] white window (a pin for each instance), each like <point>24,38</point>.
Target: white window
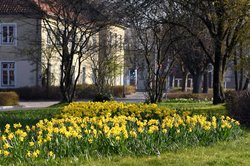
<point>8,34</point>
<point>8,74</point>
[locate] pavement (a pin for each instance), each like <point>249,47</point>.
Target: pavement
<point>23,105</point>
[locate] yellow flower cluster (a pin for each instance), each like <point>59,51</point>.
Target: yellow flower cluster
<point>93,109</point>
<point>90,122</point>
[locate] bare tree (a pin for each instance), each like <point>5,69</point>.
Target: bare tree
<point>70,25</point>
<point>156,46</point>
<point>109,64</point>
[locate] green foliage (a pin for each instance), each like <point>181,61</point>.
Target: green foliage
<point>238,104</point>
<point>102,97</point>
<point>8,99</point>
<point>223,153</point>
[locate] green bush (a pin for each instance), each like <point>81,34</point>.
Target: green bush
<point>238,106</point>
<point>8,99</point>
<point>102,97</point>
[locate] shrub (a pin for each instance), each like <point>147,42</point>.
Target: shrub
<point>38,93</point>
<point>238,105</point>
<point>118,90</point>
<point>185,95</point>
<point>85,91</point>
<point>102,97</point>
<point>8,99</point>
<point>88,91</point>
<point>130,90</point>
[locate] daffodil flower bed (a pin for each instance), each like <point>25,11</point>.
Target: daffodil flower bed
<point>112,128</point>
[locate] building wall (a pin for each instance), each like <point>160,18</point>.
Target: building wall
<point>28,34</point>
<point>31,51</point>
<point>86,69</point>
<point>119,51</point>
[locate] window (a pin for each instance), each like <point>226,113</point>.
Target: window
<point>110,38</point>
<point>8,74</point>
<point>120,42</point>
<point>84,75</point>
<point>94,74</point>
<point>8,34</point>
<point>116,40</point>
<point>59,38</point>
<point>94,40</point>
<point>49,37</point>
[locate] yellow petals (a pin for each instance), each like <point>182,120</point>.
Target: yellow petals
<point>6,153</point>
<point>17,125</point>
<point>50,154</point>
<point>6,146</point>
<point>10,136</point>
<point>31,143</point>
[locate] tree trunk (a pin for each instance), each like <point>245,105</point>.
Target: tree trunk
<point>205,82</point>
<point>236,72</point>
<point>197,80</point>
<point>218,94</point>
<point>246,84</point>
<point>241,70</point>
<point>184,81</point>
<point>241,79</point>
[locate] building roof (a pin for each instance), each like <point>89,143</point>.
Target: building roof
<point>33,8</point>
<point>17,7</point>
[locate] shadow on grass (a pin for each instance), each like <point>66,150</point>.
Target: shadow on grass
<point>27,117</point>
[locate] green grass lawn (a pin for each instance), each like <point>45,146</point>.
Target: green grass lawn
<point>204,107</point>
<point>235,152</point>
<point>224,153</point>
<point>27,117</point>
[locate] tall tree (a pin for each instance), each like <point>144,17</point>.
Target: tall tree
<point>193,58</point>
<point>227,22</point>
